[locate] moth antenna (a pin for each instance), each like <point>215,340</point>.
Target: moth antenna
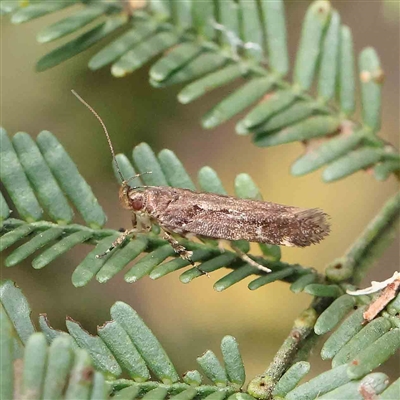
<point>105,131</point>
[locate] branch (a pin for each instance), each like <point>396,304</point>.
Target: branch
<point>369,246</point>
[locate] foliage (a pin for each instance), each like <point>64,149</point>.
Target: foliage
<point>76,364</point>
<point>213,43</point>
<point>42,174</point>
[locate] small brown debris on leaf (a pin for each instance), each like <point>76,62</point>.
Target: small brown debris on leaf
<point>388,294</point>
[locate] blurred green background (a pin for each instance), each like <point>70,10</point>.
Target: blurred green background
<point>188,319</point>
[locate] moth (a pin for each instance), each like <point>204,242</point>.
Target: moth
<point>186,213</point>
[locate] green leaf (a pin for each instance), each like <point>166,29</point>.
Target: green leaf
<point>223,260</point>
<point>183,12</point>
<point>273,13</point>
<point>187,394</point>
<point>35,358</point>
<point>4,209</point>
<point>124,351</point>
<point>71,24</point>
<point>247,94</point>
<point>121,258</point>
<point>111,52</point>
<point>80,379</point>
<point>101,355</point>
<point>271,277</point>
<point>38,10</point>
<point>321,290</point>
<point>352,162</point>
<point>233,361</point>
<point>234,277</point>
<point>372,383</point>
<point>392,391</point>
<point>383,170</point>
<point>17,308</point>
<point>374,355</point>
<point>210,82</point>
<point>204,63</point>
<point>327,152</point>
<point>40,240</point>
<point>291,378</point>
<point>41,179</point>
<point>334,314</point>
<point>363,339</point>
<point>91,265</point>
<point>145,160</point>
<point>329,65</point>
<point>80,44</point>
<point>146,264</point>
<point>270,105</point>
<point>299,284</point>
<point>349,328</point>
<point>15,181</point>
<point>210,182</point>
<point>346,72</point>
<point>178,263</point>
<point>317,17</point>
<point>308,129</point>
<point>323,383</point>
<point>6,359</point>
<point>212,368</point>
<point>203,13</point>
<point>174,60</point>
<point>192,378</point>
<point>14,236</point>
<point>145,341</point>
<point>128,393</point>
<point>143,52</point>
<point>161,7</point>
<point>251,29</point>
<point>371,76</point>
<point>174,170</point>
<point>228,25</point>
<point>56,250</point>
<point>70,180</point>
<point>296,112</point>
<point>60,361</point>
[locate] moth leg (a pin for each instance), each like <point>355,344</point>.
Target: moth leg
<point>221,243</point>
<point>247,259</point>
<point>182,251</point>
<point>124,235</point>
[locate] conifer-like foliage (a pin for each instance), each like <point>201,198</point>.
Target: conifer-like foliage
<point>209,44</point>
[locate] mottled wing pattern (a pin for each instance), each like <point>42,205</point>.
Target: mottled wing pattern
<point>225,217</point>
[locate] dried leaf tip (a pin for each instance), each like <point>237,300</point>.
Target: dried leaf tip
<point>375,286</point>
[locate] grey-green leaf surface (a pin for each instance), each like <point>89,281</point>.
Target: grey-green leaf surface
<point>145,341</point>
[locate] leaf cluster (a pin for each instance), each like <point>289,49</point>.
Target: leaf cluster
<point>42,180</point>
<point>213,43</point>
<point>56,364</point>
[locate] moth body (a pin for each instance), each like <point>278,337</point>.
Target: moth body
<point>183,211</point>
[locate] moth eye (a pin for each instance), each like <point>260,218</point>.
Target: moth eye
<point>137,204</point>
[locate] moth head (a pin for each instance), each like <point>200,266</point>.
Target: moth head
<point>132,198</point>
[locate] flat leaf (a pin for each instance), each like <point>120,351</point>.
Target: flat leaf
<point>72,23</point>
<point>114,50</point>
<point>17,308</point>
<point>143,52</point>
<point>233,361</point>
<point>212,368</point>
<point>145,341</point>
<point>308,129</point>
<point>80,43</point>
<point>291,378</point>
<point>316,19</point>
<point>15,181</point>
<point>273,13</point>
<point>70,180</point>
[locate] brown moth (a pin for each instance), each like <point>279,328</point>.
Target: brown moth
<point>186,213</point>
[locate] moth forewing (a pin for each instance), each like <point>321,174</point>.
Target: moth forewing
<point>214,216</point>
